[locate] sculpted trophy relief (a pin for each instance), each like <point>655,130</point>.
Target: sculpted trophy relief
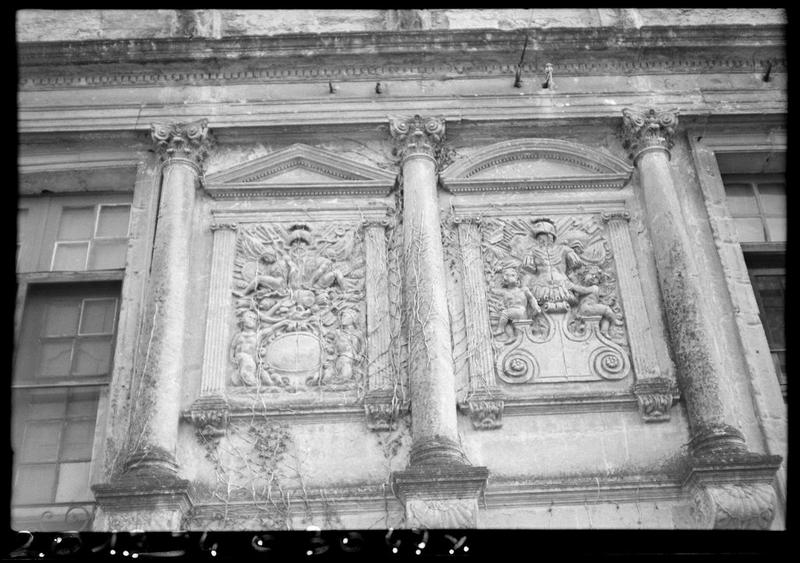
<point>299,304</point>
<point>553,301</point>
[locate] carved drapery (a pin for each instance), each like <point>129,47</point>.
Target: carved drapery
<point>654,391</point>
<point>484,403</point>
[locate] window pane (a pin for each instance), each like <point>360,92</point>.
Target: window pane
<point>98,316</point>
<point>40,442</point>
<point>771,292</point>
<point>77,223</point>
<point>61,318</point>
<point>773,198</point>
<point>78,437</point>
<point>82,403</point>
<point>113,221</point>
<point>70,256</point>
<point>107,255</point>
<point>45,403</point>
<point>741,200</point>
<point>93,356</point>
<point>777,229</point>
<point>750,230</point>
<point>73,482</point>
<point>55,358</point>
<point>34,483</point>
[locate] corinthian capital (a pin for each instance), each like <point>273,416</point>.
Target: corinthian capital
<point>648,129</point>
<point>417,136</point>
<point>186,140</point>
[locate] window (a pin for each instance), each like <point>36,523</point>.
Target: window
<point>757,203</point>
<point>758,206</point>
<point>71,253</point>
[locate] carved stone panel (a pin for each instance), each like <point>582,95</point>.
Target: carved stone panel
<point>299,305</point>
<point>554,307</point>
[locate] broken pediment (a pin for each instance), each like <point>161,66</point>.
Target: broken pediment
<point>536,164</point>
<point>299,171</point>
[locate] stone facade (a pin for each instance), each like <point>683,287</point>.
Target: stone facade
<point>421,268</point>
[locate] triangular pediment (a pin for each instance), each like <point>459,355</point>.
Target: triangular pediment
<point>299,170</point>
<point>531,164</point>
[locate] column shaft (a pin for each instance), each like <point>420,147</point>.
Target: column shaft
<point>699,367</point>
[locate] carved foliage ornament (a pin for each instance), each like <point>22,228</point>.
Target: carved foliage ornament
<point>299,301</point>
<point>553,300</point>
<point>645,128</point>
<point>426,513</point>
<point>746,506</point>
<point>418,136</point>
<point>187,140</point>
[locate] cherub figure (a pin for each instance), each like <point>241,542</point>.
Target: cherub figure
<point>590,304</point>
<point>516,301</point>
<point>347,345</point>
<point>244,349</point>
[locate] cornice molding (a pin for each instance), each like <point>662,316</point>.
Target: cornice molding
<point>363,111</point>
<point>387,42</point>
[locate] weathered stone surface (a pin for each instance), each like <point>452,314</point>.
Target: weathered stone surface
<point>302,155</point>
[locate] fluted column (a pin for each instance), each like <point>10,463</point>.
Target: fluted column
<point>723,477</point>
<point>151,465</point>
<point>439,489</point>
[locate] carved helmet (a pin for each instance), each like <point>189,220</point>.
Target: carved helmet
<point>544,226</point>
<point>299,233</point>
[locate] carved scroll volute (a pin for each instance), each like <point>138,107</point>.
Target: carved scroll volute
<point>383,405</point>
<point>648,129</point>
<point>189,141</point>
<point>484,403</point>
<point>417,136</point>
<point>654,390</point>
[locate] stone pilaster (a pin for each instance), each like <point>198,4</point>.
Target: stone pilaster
<point>437,462</point>
<point>151,469</point>
<point>210,412</point>
<point>717,448</point>
<point>654,391</point>
<point>382,405</point>
<point>483,403</point>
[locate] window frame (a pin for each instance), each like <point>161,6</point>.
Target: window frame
<point>37,242</point>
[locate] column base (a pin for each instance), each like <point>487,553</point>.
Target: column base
<point>440,497</point>
<point>436,451</point>
<point>142,500</point>
<point>717,440</point>
<point>732,491</point>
